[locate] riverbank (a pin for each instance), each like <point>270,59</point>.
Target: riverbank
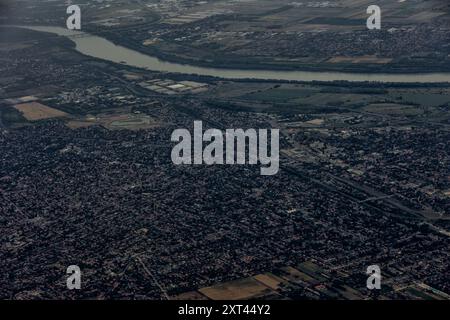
<point>251,64</point>
<point>102,48</point>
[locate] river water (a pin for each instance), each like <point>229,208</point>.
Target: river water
<point>103,49</point>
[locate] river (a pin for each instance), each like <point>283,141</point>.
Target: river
<point>101,48</point>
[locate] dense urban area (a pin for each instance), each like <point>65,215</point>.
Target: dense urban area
<point>86,176</point>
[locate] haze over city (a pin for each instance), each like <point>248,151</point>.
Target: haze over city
<point>323,150</point>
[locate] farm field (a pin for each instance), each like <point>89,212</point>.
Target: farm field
<point>35,111</point>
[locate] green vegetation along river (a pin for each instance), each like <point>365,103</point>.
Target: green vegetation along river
<point>101,48</point>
